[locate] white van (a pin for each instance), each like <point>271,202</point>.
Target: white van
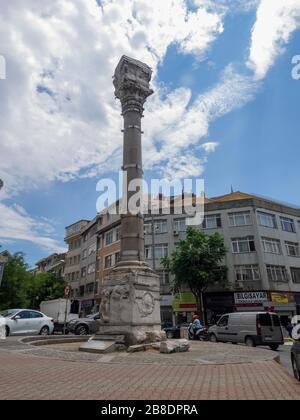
<point>251,328</point>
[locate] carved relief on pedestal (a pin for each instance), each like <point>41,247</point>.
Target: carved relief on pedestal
<point>120,292</point>
<point>146,304</point>
<point>104,306</point>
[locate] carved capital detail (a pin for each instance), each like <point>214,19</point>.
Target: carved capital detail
<point>131,82</point>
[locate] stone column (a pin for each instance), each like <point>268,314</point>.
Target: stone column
<point>130,298</point>
<point>131,81</point>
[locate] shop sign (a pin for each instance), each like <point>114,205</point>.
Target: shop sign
<point>183,301</point>
<point>250,298</point>
<point>282,298</point>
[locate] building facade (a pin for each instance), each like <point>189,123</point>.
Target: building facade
<point>72,265</point>
<point>54,263</point>
<point>88,286</point>
<point>263,259</point>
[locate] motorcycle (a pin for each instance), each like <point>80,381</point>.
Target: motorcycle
<point>201,334</point>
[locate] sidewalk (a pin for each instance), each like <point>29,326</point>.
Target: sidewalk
<point>25,376</point>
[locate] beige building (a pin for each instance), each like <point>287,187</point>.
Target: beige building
<point>72,265</point>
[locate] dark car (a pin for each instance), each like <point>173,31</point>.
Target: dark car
<point>174,331</point>
<point>84,326</point>
<point>295,355</point>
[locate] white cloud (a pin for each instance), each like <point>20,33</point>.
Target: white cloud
<point>58,117</point>
<point>16,224</point>
<point>210,146</point>
<point>276,20</point>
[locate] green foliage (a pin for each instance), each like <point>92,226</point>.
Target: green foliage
<point>196,263</point>
<point>21,288</point>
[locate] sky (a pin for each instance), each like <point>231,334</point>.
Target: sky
<point>225,106</point>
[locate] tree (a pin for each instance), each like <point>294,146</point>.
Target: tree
<point>13,286</point>
<point>21,288</point>
<point>196,263</point>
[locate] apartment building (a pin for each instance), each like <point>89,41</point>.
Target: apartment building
<point>72,264</point>
<point>88,286</point>
<point>108,251</point>
<point>54,263</point>
<point>263,260</point>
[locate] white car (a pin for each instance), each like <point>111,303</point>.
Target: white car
<point>26,321</point>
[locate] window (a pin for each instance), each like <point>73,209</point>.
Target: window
<point>109,237</point>
<point>164,277</point>
<point>179,225</point>
<point>292,249</point>
<point>81,290</point>
<point>118,233</point>
<point>117,257</point>
<point>92,249</point>
<point>24,314</point>
<point>147,228</point>
<point>84,254</point>
<point>83,272</point>
<point>85,238</point>
<point>247,272</point>
<point>287,224</point>
<point>277,274</point>
<point>108,261</point>
<point>223,322</point>
<point>89,288</point>
<point>148,252</point>
<point>267,220</point>
<point>295,272</point>
<point>212,222</point>
<point>35,315</point>
<point>161,250</point>
<point>271,245</point>
<point>91,268</point>
<point>241,245</point>
<point>160,226</point>
<point>240,219</point>
<point>265,320</point>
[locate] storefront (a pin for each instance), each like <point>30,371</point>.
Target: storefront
<point>216,305</point>
<point>166,309</point>
<point>184,305</point>
<point>283,304</point>
<point>297,301</point>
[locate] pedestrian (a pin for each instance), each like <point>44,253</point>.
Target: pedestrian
<point>289,327</point>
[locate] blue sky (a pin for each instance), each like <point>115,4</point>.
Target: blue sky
<point>225,106</point>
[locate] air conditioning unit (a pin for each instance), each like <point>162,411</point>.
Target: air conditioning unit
<point>175,232</point>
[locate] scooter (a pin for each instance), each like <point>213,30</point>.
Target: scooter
<point>201,334</point>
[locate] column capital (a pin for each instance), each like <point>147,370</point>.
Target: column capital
<point>131,82</point>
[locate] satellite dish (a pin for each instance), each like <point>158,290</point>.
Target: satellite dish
<point>296,332</point>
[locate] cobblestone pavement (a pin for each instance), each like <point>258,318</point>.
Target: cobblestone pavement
<point>25,376</point>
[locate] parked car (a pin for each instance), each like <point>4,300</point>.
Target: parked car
<point>251,328</point>
<point>84,326</point>
<point>174,331</point>
<point>26,321</point>
<point>295,353</point>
